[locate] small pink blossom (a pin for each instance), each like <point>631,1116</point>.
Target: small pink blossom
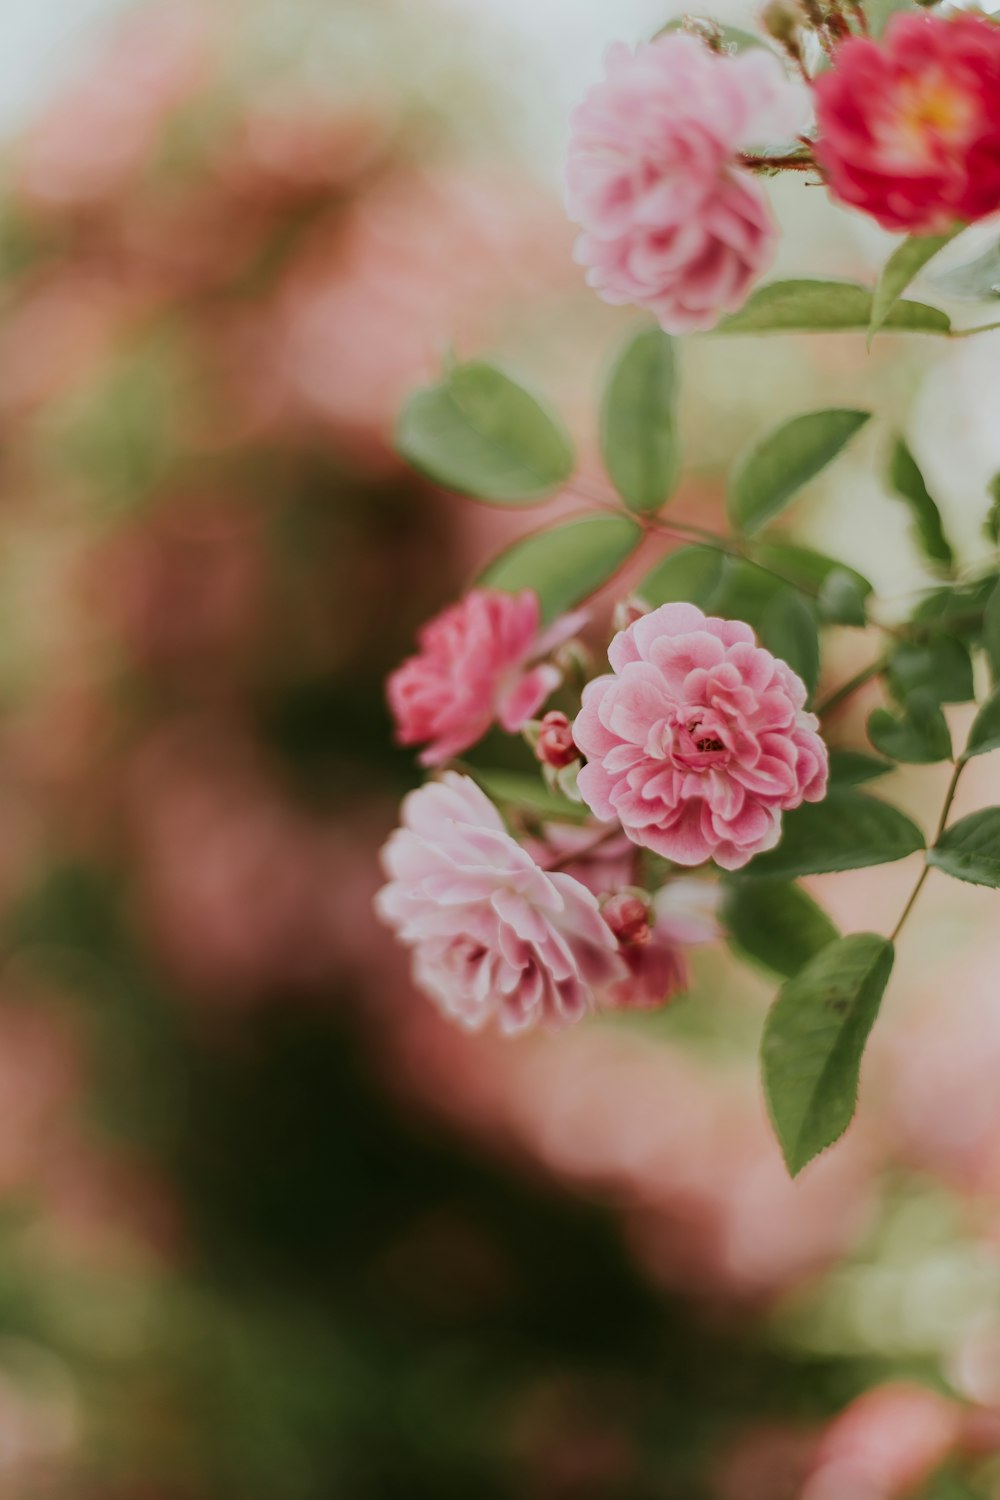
<point>670,221</point>
<point>494,937</point>
<point>699,740</point>
<point>683,915</point>
<point>477,663</point>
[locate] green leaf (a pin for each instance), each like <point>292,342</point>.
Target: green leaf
<point>919,735</point>
<point>991,631</point>
<point>899,270</point>
<point>566,563</point>
<point>517,790</point>
<point>805,568</point>
<point>847,831</point>
<point>808,306</point>
<point>977,281</point>
<point>482,434</point>
<point>991,526</point>
<point>984,735</point>
<point>950,1484</point>
<point>788,629</point>
<point>841,599</point>
<point>814,1040</point>
<point>941,667</point>
<point>743,592</point>
<point>852,767</point>
<point>908,482</point>
<point>732,37</point>
<point>778,925</point>
<point>958,608</point>
<point>691,573</point>
<point>970,848</point>
<point>638,421</point>
<point>774,471</point>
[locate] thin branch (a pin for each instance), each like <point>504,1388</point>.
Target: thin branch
<point>851,686</point>
<point>942,823</point>
<point>968,333</point>
<point>755,163</point>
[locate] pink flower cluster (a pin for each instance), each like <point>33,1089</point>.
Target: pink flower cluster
<point>909,127</point>
<point>670,221</point>
<point>697,743</point>
<point>478,663</point>
<point>497,937</point>
<point>699,740</point>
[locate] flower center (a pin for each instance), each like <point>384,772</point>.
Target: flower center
<point>929,112</point>
<point>698,740</point>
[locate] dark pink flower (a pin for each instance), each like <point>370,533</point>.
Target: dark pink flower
<point>699,740</point>
<point>670,220</point>
<point>494,937</point>
<point>478,663</point>
<point>909,127</point>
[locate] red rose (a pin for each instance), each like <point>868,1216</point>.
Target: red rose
<point>909,127</point>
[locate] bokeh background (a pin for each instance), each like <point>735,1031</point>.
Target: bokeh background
<point>268,1229</point>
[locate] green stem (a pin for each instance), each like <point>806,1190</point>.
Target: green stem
<point>967,333</point>
<point>949,798</point>
<point>850,687</point>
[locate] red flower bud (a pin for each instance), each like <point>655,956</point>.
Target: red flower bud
<point>628,917</point>
<point>555,745</point>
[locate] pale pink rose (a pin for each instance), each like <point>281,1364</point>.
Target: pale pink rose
<point>670,220</point>
<point>699,740</point>
<point>494,937</point>
<point>478,663</point>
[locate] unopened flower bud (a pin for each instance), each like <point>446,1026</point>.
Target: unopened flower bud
<point>627,914</point>
<point>627,611</point>
<point>781,19</point>
<point>555,745</point>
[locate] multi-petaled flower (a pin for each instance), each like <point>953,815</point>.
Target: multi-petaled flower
<point>671,220</point>
<point>909,127</point>
<point>478,663</point>
<point>699,740</point>
<point>495,938</point>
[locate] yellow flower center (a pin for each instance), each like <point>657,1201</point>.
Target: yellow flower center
<point>930,111</point>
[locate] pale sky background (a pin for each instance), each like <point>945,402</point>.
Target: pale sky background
<point>42,40</point>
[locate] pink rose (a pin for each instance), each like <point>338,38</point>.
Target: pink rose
<point>699,740</point>
<point>494,937</point>
<point>475,666</point>
<point>670,220</point>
